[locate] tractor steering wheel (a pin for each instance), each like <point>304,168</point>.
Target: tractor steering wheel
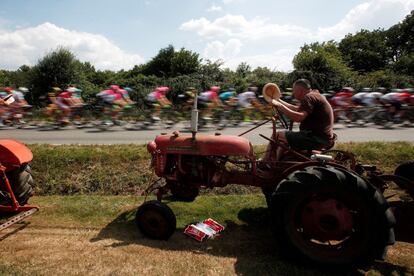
<point>281,119</point>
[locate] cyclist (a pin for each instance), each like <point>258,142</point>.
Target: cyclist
<point>247,100</point>
<point>20,103</point>
<point>112,98</point>
<point>342,98</point>
<point>341,101</point>
<point>67,101</point>
<point>411,100</point>
<point>394,101</point>
<point>228,97</point>
<point>372,99</point>
<point>19,96</point>
<point>124,97</point>
<point>186,99</point>
<point>358,98</point>
<point>210,100</point>
<point>157,99</point>
<point>4,106</point>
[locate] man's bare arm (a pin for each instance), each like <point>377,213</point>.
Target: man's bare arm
<point>297,116</point>
<point>290,106</point>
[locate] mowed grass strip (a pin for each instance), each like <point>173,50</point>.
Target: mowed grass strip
<point>95,211</point>
<point>124,169</point>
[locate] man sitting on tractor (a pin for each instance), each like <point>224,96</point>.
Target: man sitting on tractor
<point>316,121</point>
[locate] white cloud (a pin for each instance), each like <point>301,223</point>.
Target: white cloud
<point>259,33</point>
<point>280,60</point>
<point>227,2</point>
<point>370,15</point>
<point>26,46</point>
<point>219,50</point>
<point>215,8</point>
<point>237,26</point>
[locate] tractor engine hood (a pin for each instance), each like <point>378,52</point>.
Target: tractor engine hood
<point>218,144</point>
<point>14,154</point>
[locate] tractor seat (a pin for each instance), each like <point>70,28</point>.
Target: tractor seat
<point>322,148</point>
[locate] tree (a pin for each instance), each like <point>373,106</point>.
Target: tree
<point>404,65</point>
<point>262,75</point>
<point>365,51</point>
<point>4,80</point>
<point>58,68</point>
<point>400,42</point>
<point>210,73</point>
<point>323,63</point>
<point>169,63</point>
<point>160,65</point>
<point>184,62</point>
<point>243,69</point>
<point>384,78</point>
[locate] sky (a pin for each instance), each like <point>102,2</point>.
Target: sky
<point>119,34</point>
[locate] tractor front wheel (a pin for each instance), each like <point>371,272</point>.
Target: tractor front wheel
<point>156,220</point>
<point>331,216</point>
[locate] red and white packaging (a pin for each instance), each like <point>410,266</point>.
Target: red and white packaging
<point>214,225</point>
<point>207,228</point>
<point>192,231</point>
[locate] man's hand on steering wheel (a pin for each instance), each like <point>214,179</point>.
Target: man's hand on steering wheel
<point>276,105</point>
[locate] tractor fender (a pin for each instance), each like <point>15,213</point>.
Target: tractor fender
<point>13,154</point>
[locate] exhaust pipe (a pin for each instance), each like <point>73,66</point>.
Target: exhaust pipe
<point>194,117</point>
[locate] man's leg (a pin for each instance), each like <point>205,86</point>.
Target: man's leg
<point>282,139</point>
<point>273,152</point>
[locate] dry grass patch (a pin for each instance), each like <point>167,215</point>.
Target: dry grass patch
<point>96,235</point>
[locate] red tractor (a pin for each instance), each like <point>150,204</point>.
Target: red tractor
<point>16,184</point>
<point>324,206</point>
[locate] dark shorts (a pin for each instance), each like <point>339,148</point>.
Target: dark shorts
<point>396,104</point>
<point>202,104</point>
<point>305,140</point>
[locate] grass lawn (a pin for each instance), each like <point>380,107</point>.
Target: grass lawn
<point>96,235</point>
<point>88,197</point>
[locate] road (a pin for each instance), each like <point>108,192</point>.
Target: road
<point>118,135</point>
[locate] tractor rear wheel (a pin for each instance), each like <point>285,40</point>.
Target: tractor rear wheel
<point>156,220</point>
<point>21,182</point>
<point>331,216</point>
